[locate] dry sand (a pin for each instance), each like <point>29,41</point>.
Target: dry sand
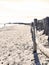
<point>16,47</point>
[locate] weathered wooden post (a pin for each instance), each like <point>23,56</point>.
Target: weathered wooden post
<point>34,36</point>
<point>33,28</point>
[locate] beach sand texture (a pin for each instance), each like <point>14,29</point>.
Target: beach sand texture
<point>16,46</point>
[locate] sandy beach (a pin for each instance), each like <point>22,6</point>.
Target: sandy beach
<point>16,47</point>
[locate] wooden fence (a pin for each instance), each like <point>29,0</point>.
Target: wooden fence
<point>36,42</point>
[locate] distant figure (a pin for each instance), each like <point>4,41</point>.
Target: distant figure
<point>4,25</point>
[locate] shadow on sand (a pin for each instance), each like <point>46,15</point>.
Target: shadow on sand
<point>37,62</point>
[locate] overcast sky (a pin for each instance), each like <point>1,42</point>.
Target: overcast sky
<point>23,10</point>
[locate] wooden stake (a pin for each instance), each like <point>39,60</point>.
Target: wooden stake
<point>34,37</point>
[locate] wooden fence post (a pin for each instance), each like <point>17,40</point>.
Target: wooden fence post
<point>34,37</point>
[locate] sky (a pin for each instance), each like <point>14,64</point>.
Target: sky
<point>23,10</point>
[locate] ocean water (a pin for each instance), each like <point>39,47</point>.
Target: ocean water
<point>2,25</point>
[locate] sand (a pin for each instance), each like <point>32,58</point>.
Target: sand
<point>16,47</point>
<point>43,38</point>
